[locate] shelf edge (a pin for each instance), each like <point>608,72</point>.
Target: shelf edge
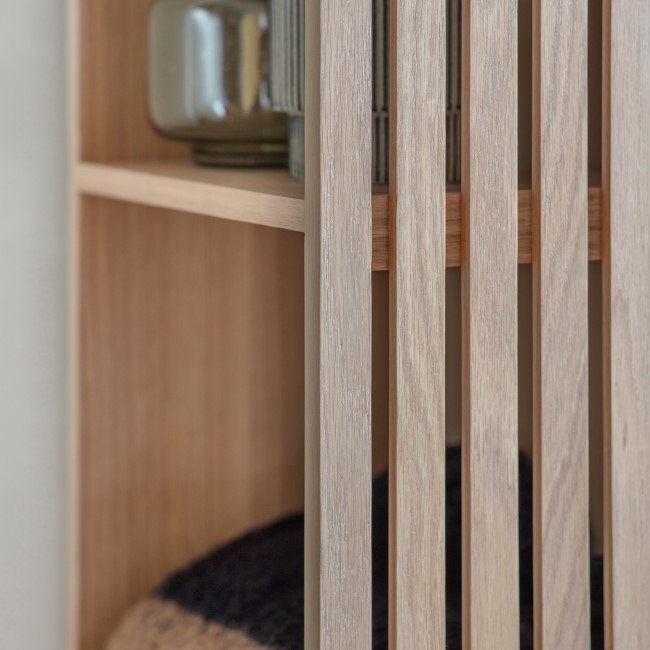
<point>211,200</point>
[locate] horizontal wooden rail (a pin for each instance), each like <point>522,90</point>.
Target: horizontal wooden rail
<point>271,198</point>
<point>380,227</point>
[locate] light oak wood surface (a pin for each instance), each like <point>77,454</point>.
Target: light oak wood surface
<point>137,441</point>
<point>417,438</point>
<point>626,301</point>
<point>190,431</point>
<point>338,255</point>
<point>560,326</point>
<point>179,420</point>
<point>112,72</point>
<point>489,191</point>
<point>274,199</point>
<point>186,322</point>
<point>192,413</point>
<point>263,197</point>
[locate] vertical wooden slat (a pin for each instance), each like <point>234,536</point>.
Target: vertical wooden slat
<point>338,251</point>
<point>626,329</point>
<point>489,190</point>
<point>417,440</point>
<point>560,289</point>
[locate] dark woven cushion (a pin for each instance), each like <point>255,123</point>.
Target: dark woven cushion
<point>249,594</point>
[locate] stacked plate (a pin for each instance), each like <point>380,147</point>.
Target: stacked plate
<point>287,83</point>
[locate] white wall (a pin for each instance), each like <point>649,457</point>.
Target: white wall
<point>32,325</point>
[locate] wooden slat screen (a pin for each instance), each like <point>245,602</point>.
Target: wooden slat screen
<point>561,435</point>
<point>559,228</point>
<point>338,249</point>
<point>417,454</point>
<point>626,300</point>
<point>489,270</point>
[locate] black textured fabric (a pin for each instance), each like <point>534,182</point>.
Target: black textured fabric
<point>255,584</point>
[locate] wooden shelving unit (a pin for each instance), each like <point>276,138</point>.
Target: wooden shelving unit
<point>188,317</point>
<point>186,337</point>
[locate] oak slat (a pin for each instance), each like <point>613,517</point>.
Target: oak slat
<point>261,196</point>
<point>417,313</point>
<point>560,326</point>
<point>490,476</point>
<point>626,285</point>
<point>338,252</point>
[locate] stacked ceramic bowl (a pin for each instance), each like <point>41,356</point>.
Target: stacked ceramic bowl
<point>287,83</point>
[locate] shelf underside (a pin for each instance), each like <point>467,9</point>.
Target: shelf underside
<point>272,198</point>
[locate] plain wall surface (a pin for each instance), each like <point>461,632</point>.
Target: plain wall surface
<point>32,325</point>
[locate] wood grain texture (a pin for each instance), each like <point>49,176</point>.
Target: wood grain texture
<point>192,415</point>
<point>417,438</point>
<point>560,326</point>
<point>338,251</point>
<point>113,70</point>
<point>261,196</point>
<point>626,300</point>
<point>273,199</point>
<point>489,190</point>
<point>192,430</point>
<point>454,228</point>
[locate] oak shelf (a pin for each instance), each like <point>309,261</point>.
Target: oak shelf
<point>262,197</point>
<point>272,198</point>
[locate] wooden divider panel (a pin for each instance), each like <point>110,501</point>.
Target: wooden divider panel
<point>560,327</point>
<point>417,441</point>
<point>626,281</point>
<point>489,191</point>
<point>338,250</point>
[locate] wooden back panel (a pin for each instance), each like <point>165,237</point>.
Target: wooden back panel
<point>110,71</point>
<point>191,395</point>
